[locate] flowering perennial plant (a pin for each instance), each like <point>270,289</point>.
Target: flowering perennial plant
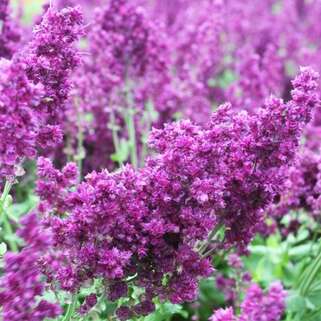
<point>48,60</point>
<point>22,285</point>
<point>126,70</point>
<point>19,124</point>
<point>10,32</point>
<point>161,146</point>
<point>257,305</point>
<point>34,88</point>
<point>145,225</point>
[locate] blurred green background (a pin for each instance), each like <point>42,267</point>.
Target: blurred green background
<point>30,8</point>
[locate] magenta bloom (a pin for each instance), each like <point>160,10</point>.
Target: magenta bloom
<point>34,87</point>
<point>146,222</point>
<point>257,305</point>
<point>223,315</point>
<point>10,32</point>
<point>22,284</point>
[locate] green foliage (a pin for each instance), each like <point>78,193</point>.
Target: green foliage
<point>3,249</point>
<point>224,81</point>
<point>296,261</point>
<point>165,312</point>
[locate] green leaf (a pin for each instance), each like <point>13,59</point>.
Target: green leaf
<point>3,249</point>
<point>298,251</point>
<point>21,209</point>
<point>295,302</point>
<point>123,153</point>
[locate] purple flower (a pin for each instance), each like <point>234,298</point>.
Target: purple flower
<point>20,126</point>
<point>89,303</point>
<point>34,87</point>
<point>53,186</point>
<point>10,32</point>
<point>258,306</point>
<point>49,60</point>
<point>145,223</point>
<point>124,313</point>
<point>133,73</point>
<point>117,290</point>
<point>21,286</point>
<point>223,315</point>
<point>234,261</point>
<point>144,308</point>
<point>227,286</point>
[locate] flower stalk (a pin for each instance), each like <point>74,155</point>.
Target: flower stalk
<point>71,308</point>
<point>4,215</point>
<point>130,124</point>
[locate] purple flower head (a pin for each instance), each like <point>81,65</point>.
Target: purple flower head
<point>89,303</point>
<point>223,315</point>
<point>235,261</point>
<point>133,74</point>
<point>227,286</point>
<point>49,59</point>
<point>124,313</point>
<point>22,286</point>
<point>258,306</point>
<point>146,222</point>
<point>10,32</point>
<point>144,308</point>
<point>34,87</point>
<point>117,290</point>
<point>53,186</point>
<point>123,30</point>
<point>20,126</point>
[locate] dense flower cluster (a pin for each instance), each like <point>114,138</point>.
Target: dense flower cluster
<point>145,233</point>
<point>10,33</point>
<point>22,284</point>
<point>301,191</point>
<point>121,237</point>
<point>192,62</point>
<point>53,186</point>
<point>48,60</point>
<point>146,223</point>
<point>236,281</point>
<point>125,70</point>
<point>248,155</point>
<point>223,315</point>
<point>19,124</point>
<point>257,305</point>
<point>34,88</point>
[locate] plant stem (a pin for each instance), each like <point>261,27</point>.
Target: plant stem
<point>5,193</point>
<point>115,137</point>
<point>71,308</point>
<point>313,269</point>
<point>80,141</point>
<point>132,138</point>
<point>210,237</point>
<point>80,152</point>
<point>144,150</point>
<point>148,126</point>
<point>6,223</point>
<point>209,252</point>
<point>130,123</point>
<point>9,233</point>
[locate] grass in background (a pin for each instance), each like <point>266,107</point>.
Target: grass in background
<point>31,8</point>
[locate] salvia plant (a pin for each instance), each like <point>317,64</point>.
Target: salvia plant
<point>160,160</point>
